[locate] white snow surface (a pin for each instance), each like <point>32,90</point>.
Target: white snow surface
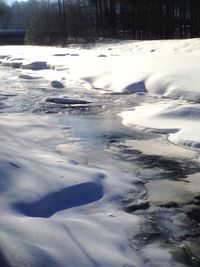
<point>55,212</point>
<point>90,230</point>
<point>179,120</point>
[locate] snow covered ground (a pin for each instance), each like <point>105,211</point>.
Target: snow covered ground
<point>60,195</point>
<point>54,211</point>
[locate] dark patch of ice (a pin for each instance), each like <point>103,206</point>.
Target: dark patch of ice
<point>102,55</point>
<point>36,65</point>
<point>12,64</point>
<point>170,168</point>
<point>3,56</point>
<point>60,55</point>
<point>194,214</point>
<point>14,165</point>
<point>68,101</point>
<point>15,59</point>
<point>144,205</point>
<point>57,84</point>
<point>8,95</point>
<point>28,77</point>
<point>73,162</point>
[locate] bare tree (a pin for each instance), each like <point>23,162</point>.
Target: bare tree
<point>62,21</point>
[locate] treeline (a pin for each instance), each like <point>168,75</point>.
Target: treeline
<point>62,21</point>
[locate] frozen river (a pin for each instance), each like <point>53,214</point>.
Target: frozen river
<point>165,198</point>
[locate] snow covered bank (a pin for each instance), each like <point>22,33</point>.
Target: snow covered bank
<point>168,70</point>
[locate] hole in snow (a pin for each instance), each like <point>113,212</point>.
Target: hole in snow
<point>69,197</point>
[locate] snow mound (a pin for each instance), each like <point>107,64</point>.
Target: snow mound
<point>167,68</point>
<point>177,119</point>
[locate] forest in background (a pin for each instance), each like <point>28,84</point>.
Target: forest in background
<point>67,21</point>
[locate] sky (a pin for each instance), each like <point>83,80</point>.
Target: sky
<point>9,2</point>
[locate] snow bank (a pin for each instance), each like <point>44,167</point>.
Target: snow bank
<point>179,120</point>
<point>168,68</point>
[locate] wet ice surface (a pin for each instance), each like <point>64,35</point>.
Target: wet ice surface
<point>38,96</point>
<point>173,213</point>
<point>167,200</point>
